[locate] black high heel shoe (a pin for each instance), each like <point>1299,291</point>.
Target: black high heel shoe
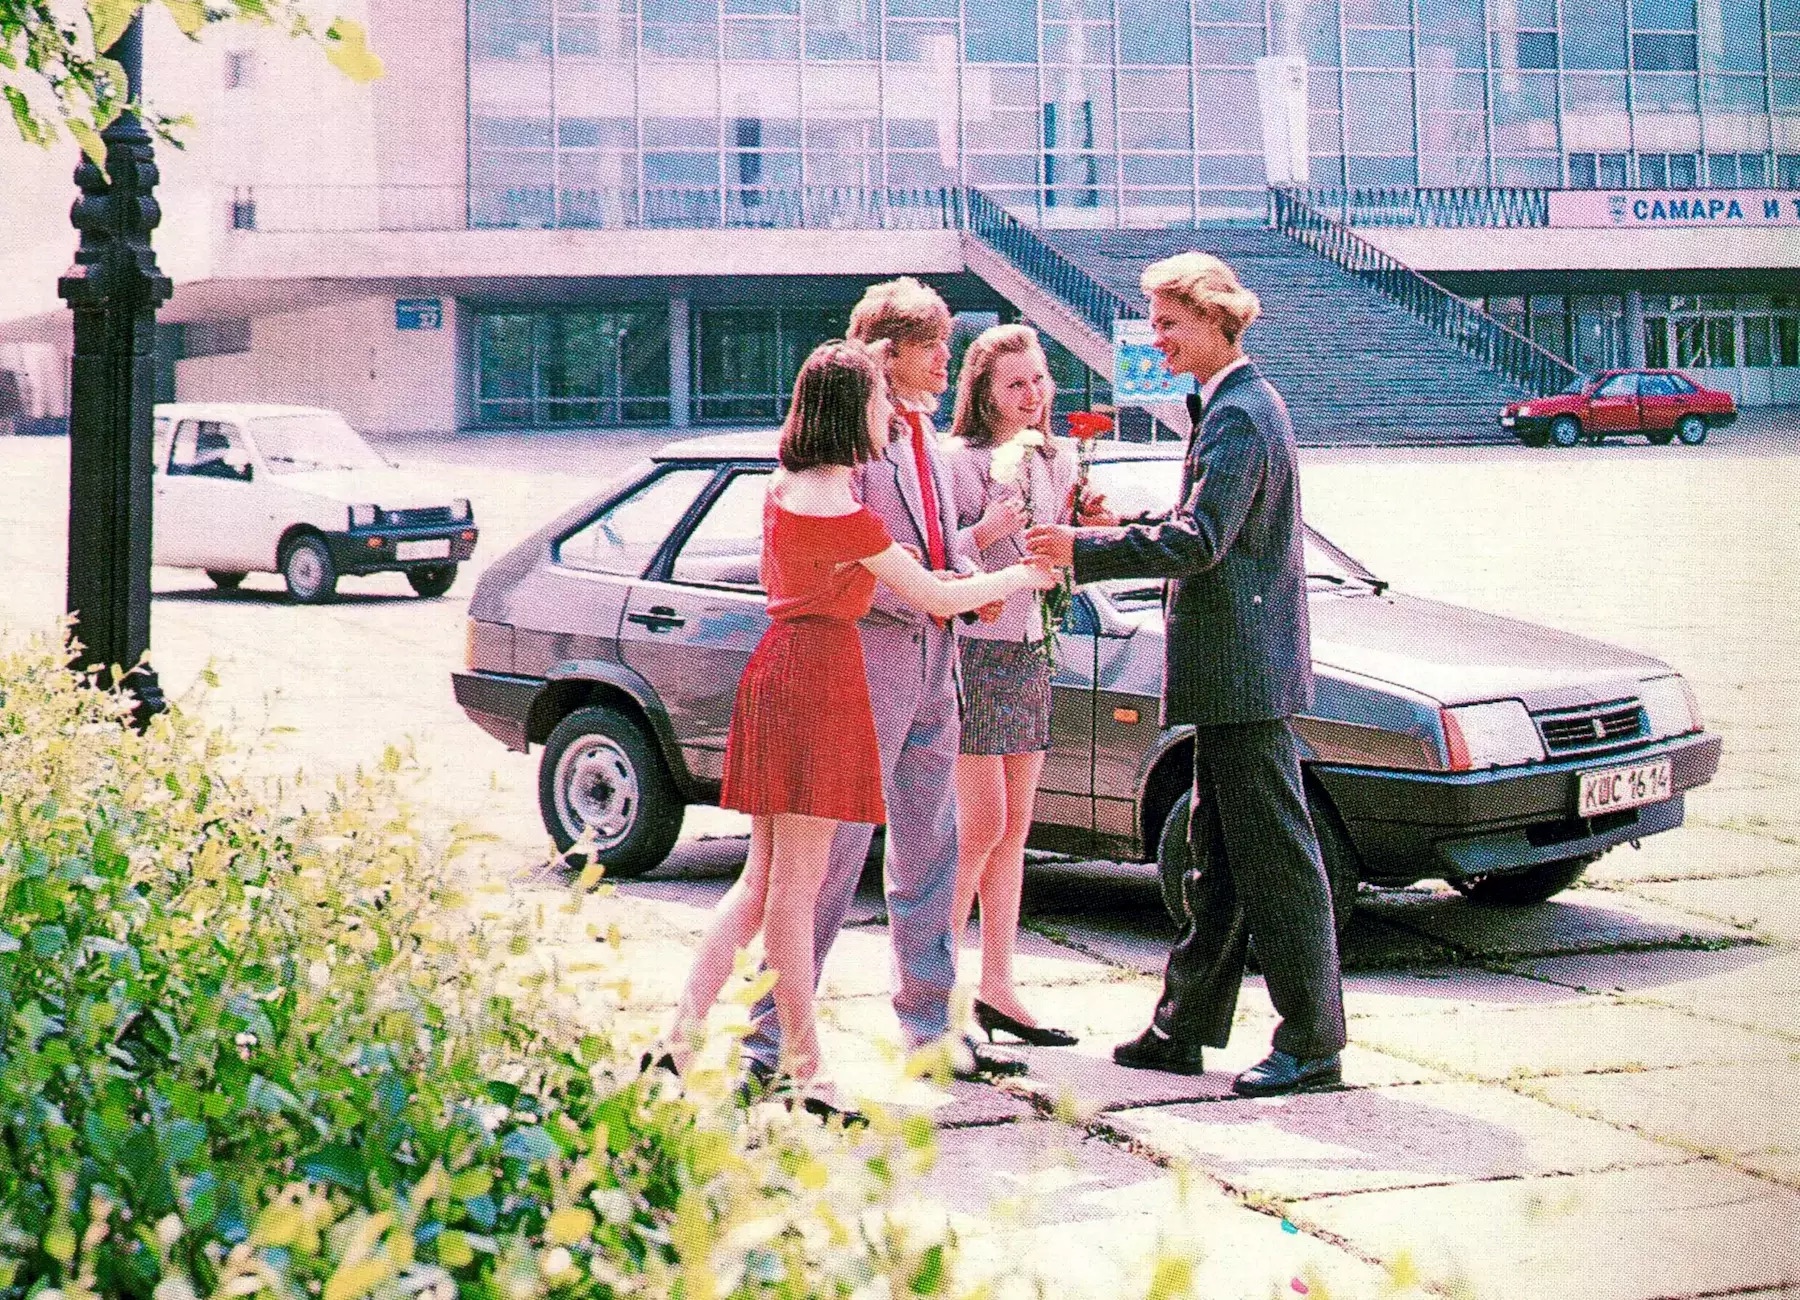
<point>992,1018</point>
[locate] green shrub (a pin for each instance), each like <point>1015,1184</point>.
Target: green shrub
<point>251,1044</point>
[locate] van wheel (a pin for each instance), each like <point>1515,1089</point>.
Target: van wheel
<point>433,580</point>
<point>601,776</point>
<point>1521,888</point>
<point>1565,431</point>
<point>1691,430</point>
<point>307,569</point>
<point>1342,867</point>
<point>225,581</point>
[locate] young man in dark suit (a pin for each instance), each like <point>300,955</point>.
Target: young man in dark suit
<point>1239,666</point>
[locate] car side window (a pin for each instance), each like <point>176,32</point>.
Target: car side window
<point>1618,386</point>
<point>625,537</point>
<point>725,547</point>
<point>208,449</point>
<point>1657,386</point>
<point>1676,384</point>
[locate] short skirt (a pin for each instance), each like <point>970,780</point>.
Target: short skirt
<point>802,736</point>
<point>1006,697</point>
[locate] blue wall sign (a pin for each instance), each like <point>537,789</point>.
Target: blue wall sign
<point>418,313</point>
<point>1140,375</point>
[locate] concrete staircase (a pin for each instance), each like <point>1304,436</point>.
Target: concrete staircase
<point>1354,366</point>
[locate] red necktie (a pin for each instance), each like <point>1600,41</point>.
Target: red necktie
<point>934,529</point>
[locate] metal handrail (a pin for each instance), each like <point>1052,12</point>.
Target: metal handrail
<point>1026,249</point>
<point>1464,324</point>
<point>1447,207</point>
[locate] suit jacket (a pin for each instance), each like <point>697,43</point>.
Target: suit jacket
<point>1238,643</point>
<point>971,479</point>
<point>888,486</point>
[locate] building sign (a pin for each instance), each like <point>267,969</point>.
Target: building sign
<point>1140,375</point>
<point>1281,93</point>
<point>1669,209</point>
<point>418,313</point>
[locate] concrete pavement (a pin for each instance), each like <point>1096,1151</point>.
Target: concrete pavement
<point>1596,1096</point>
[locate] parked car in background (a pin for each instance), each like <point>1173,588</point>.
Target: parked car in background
<point>1445,743</point>
<point>1662,405</point>
<point>247,488</point>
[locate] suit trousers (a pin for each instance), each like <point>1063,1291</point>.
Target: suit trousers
<point>1256,872</point>
<point>918,726</point>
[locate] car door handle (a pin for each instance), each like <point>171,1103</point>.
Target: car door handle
<point>658,618</point>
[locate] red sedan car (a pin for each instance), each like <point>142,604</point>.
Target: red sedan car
<point>1660,404</point>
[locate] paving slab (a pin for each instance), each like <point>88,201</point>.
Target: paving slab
<point>1447,988</point>
<point>1700,852</point>
<point>1530,1041</point>
<point>1769,905</point>
<point>1635,1234</point>
<point>1707,1107</point>
<point>1678,976</point>
<point>1093,1220</point>
<point>1085,1081</point>
<point>1376,1138</point>
<point>1582,920</point>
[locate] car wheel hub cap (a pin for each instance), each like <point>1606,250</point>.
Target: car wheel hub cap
<point>305,568</point>
<point>598,790</point>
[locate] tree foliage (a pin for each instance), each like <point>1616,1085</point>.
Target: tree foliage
<point>55,73</point>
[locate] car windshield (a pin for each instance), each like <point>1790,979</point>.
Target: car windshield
<point>1149,486</point>
<point>1579,384</point>
<point>294,444</point>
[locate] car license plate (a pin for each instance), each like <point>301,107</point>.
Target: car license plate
<point>1616,788</point>
<point>437,548</point>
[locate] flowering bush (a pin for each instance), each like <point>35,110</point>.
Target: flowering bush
<point>252,1044</point>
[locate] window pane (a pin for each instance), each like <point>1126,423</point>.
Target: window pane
<point>1154,131</point>
<point>1787,341</point>
<point>1656,341</point>
<point>1378,173</point>
<point>1365,48</point>
<point>1450,33</point>
<point>1223,122</point>
<point>1159,169</point>
<point>1663,52</point>
<point>1230,46</point>
<point>1721,340</point>
<point>1235,170</point>
<point>1675,14</point>
<point>1595,39</point>
<point>1757,351</point>
<point>1594,114</point>
<point>1524,112</point>
<point>1150,31</point>
<point>625,538</point>
<point>725,548</point>
<point>1378,113</point>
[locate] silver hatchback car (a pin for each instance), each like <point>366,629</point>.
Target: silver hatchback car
<point>1445,743</point>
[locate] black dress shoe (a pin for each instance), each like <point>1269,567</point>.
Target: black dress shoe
<point>970,1064</point>
<point>664,1061</point>
<point>758,1082</point>
<point>1279,1074</point>
<point>992,1018</point>
<point>1153,1051</point>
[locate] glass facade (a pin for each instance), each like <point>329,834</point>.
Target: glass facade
<point>677,112</point>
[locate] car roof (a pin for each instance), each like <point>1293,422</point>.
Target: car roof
<point>233,410</point>
<point>762,444</point>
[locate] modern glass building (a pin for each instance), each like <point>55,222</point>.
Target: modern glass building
<point>599,113</point>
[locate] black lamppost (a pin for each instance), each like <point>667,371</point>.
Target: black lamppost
<point>114,289</point>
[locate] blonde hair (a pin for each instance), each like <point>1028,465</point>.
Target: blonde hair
<point>903,310</point>
<point>1207,285</point>
<point>974,419</point>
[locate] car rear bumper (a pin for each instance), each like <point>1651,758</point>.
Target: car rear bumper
<point>1409,826</point>
<point>380,550</point>
<point>1719,419</point>
<point>498,703</point>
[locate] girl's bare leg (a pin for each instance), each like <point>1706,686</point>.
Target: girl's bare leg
<point>735,922</point>
<point>1002,883</point>
<point>802,848</point>
<point>980,826</point>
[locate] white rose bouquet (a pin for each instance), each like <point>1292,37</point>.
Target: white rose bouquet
<point>1008,468</point>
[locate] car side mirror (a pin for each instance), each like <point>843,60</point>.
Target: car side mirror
<point>239,464</point>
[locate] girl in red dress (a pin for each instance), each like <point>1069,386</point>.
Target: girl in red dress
<point>801,755</point>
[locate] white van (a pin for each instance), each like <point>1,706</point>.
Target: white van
<point>248,488</point>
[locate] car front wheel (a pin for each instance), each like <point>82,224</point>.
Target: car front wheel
<point>433,580</point>
<point>601,778</point>
<point>307,569</point>
<point>1565,431</point>
<point>225,581</point>
<point>1521,888</point>
<point>1691,430</point>
<point>1342,871</point>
